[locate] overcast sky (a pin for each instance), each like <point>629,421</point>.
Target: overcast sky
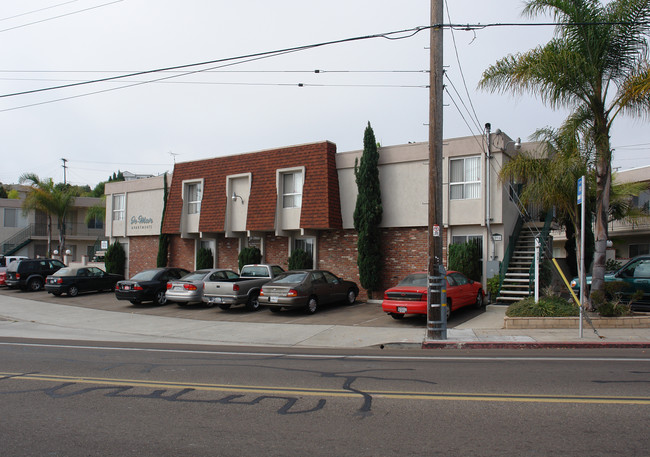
<point>249,105</point>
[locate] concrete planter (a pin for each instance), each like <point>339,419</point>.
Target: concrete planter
<point>573,322</point>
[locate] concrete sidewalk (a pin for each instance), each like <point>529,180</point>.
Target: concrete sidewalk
<point>25,318</point>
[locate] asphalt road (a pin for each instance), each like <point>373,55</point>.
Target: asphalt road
<point>70,400</point>
<point>360,314</point>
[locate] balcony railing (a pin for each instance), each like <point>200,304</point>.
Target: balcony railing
<point>76,229</point>
<point>642,223</point>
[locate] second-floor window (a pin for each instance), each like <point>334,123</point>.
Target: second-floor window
<point>11,217</point>
<point>194,198</point>
<point>292,189</point>
<point>465,178</point>
<point>118,207</point>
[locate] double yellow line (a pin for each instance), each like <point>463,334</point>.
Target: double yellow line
<point>342,393</point>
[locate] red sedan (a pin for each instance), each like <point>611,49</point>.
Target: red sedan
<point>410,295</point>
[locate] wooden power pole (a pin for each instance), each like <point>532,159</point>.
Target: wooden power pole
<point>436,296</point>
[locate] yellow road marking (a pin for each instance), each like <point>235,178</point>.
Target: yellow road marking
<point>270,390</point>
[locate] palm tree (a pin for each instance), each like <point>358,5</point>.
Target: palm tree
<point>40,198</point>
<point>52,200</point>
<point>597,66</point>
<point>550,179</point>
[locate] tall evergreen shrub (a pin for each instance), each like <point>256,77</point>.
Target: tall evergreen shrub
<point>115,259</point>
<point>368,213</point>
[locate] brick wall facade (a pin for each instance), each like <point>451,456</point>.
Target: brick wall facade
<point>228,253</point>
<point>181,252</point>
<point>143,253</point>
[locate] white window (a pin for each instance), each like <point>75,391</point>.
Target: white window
<point>292,189</point>
<point>465,178</point>
<point>118,207</point>
<point>11,217</point>
<point>193,195</point>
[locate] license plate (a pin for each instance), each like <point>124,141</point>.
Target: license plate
<point>127,287</point>
<point>214,300</point>
<point>401,309</point>
<point>178,287</point>
<point>273,299</point>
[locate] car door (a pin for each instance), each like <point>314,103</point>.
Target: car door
<point>463,289</point>
<point>337,288</point>
<point>637,277</point>
<point>320,287</point>
<point>83,280</point>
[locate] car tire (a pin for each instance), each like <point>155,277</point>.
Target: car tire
<point>275,309</point>
<point>35,284</point>
<point>73,291</point>
<point>396,316</point>
<point>253,303</point>
<point>224,306</point>
<point>160,298</point>
<point>448,308</point>
<point>351,297</point>
<point>312,305</point>
<point>479,299</point>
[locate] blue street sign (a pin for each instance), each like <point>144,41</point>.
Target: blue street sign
<point>581,190</point>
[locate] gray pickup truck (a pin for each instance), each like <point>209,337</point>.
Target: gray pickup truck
<point>243,291</point>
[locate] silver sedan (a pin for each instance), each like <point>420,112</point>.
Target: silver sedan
<point>189,288</point>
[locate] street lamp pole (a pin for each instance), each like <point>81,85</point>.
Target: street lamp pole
<point>436,295</point>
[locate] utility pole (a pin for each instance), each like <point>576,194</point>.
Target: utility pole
<point>64,170</point>
<point>437,283</point>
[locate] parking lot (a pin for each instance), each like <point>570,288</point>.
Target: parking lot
<point>360,314</point>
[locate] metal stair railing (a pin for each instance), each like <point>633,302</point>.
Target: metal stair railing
<point>17,239</point>
<point>544,247</point>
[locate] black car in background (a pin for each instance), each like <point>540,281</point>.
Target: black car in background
<point>30,274</point>
<point>148,285</point>
<point>73,280</point>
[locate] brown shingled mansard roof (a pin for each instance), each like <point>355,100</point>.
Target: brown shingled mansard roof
<point>321,208</point>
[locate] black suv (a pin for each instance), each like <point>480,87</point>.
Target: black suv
<point>30,274</point>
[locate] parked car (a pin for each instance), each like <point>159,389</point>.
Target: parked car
<point>30,274</point>
<point>635,274</point>
<point>73,280</point>
<point>148,285</point>
<point>409,296</point>
<point>307,289</point>
<point>5,260</point>
<point>244,290</point>
<point>189,288</point>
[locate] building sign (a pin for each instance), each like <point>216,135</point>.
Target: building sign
<point>141,223</point>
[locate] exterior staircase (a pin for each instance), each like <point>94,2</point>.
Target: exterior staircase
<point>517,280</point>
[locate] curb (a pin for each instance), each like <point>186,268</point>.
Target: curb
<point>533,345</point>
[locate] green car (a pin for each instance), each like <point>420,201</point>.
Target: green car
<point>636,274</point>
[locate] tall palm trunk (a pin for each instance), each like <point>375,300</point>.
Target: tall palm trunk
<point>603,188</point>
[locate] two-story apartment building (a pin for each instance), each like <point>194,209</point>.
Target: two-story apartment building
<point>26,233</point>
<point>304,197</point>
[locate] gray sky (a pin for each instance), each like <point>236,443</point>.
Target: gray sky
<point>252,105</point>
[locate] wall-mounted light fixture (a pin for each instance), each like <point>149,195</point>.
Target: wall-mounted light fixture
<point>235,197</point>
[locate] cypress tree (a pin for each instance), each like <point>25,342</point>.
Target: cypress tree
<point>163,239</point>
<point>368,213</point>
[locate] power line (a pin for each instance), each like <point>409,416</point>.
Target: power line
<point>37,11</point>
<point>244,58</point>
<point>60,16</point>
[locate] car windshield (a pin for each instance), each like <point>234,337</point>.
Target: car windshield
<point>146,275</point>
<point>255,272</point>
<point>197,275</point>
<point>290,278</point>
<point>417,279</point>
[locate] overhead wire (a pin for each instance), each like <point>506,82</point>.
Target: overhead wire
<point>60,16</point>
<point>462,74</point>
<point>37,11</point>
